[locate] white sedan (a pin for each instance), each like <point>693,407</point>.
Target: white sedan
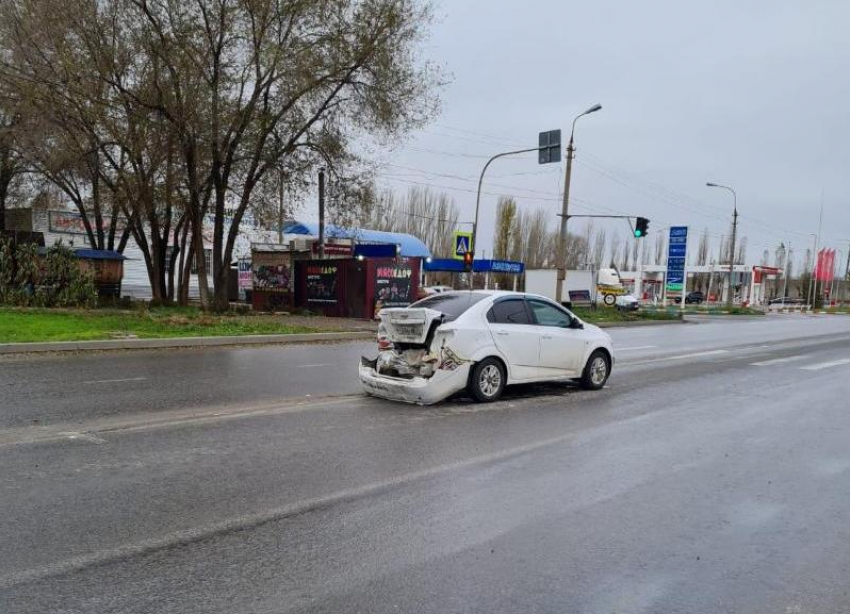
<point>482,341</point>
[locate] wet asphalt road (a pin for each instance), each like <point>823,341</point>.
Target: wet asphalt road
<point>711,475</point>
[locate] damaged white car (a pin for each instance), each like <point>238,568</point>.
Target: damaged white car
<point>482,341</point>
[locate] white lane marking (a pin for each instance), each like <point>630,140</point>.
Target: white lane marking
<point>321,364</point>
<point>116,381</point>
<point>827,365</point>
<point>637,347</point>
<point>87,437</point>
<point>695,355</point>
<point>779,361</point>
<point>653,361</point>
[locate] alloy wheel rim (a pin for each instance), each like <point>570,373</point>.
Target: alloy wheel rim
<point>489,380</point>
<point>598,370</point>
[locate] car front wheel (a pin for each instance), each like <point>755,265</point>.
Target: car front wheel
<point>487,381</point>
<point>596,371</point>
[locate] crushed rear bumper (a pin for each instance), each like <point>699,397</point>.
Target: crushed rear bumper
<point>420,390</point>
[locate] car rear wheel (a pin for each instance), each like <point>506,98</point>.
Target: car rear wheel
<point>596,371</point>
<point>487,381</point>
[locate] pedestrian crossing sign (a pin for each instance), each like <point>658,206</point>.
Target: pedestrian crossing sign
<point>463,244</point>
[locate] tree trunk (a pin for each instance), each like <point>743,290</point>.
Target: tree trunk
<point>4,191</point>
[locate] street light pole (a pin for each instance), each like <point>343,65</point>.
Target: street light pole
<point>812,273</point>
<point>785,266</point>
<point>474,245</point>
<point>730,294</point>
<point>565,206</point>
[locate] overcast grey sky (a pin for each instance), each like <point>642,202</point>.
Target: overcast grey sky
<point>754,94</point>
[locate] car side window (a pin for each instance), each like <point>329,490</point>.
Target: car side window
<point>549,315</point>
<point>510,311</point>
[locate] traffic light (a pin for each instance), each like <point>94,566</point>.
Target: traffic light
<point>641,227</point>
<point>467,261</point>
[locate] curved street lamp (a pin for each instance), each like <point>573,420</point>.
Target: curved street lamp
<point>730,295</point>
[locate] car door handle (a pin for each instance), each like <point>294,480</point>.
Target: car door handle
<point>547,336</point>
<point>504,333</point>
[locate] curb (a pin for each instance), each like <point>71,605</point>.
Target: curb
<point>180,342</point>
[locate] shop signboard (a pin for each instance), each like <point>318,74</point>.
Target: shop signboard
<point>271,272</point>
<point>68,222</point>
<point>322,279</point>
<point>245,279</point>
<point>393,284</point>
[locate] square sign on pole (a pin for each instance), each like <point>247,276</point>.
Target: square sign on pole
<point>677,250</point>
<point>462,244</point>
<point>549,147</point>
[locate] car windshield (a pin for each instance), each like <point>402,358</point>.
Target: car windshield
<point>452,304</point>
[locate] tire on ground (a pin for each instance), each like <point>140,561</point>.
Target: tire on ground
<point>487,380</point>
<point>592,378</point>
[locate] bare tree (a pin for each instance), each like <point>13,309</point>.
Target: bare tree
<point>506,212</point>
<point>702,249</point>
<point>12,164</point>
<point>660,246</point>
<point>427,214</point>
<point>741,252</point>
<point>616,246</point>
<point>243,88</point>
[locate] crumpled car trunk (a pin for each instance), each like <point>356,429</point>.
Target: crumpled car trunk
<point>410,326</point>
<point>418,347</point>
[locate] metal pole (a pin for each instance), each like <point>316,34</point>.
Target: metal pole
<point>731,292</point>
<point>812,275</point>
<point>684,278</point>
<point>280,211</point>
<point>785,266</point>
<point>565,207</point>
<point>321,214</point>
<point>474,245</point>
<point>562,235</point>
<point>730,299</point>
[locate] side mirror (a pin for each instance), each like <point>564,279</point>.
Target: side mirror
<point>576,323</point>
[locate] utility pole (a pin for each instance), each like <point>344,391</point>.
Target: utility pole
<point>815,265</point>
<point>731,293</point>
<point>785,266</point>
<point>730,298</point>
<point>280,208</point>
<point>562,235</point>
<point>812,273</point>
<point>321,214</point>
<point>565,207</point>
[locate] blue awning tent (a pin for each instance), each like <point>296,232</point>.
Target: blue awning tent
<point>451,265</point>
<point>409,246</point>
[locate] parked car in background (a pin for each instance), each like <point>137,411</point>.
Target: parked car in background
<point>694,298</point>
<point>482,341</point>
<point>778,304</point>
<point>430,290</point>
<point>627,302</point>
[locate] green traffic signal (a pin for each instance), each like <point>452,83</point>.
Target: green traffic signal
<point>641,227</point>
